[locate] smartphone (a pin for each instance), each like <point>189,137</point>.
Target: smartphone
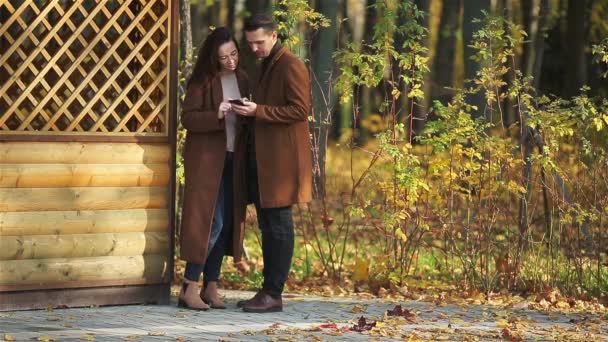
<point>237,102</point>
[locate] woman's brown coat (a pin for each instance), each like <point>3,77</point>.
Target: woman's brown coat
<point>204,155</point>
<point>282,140</point>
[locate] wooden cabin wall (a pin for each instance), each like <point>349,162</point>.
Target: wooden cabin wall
<point>80,214</point>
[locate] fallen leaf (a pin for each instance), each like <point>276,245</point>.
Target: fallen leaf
<point>131,337</point>
<point>8,337</point>
<point>363,325</point>
<point>45,338</point>
<point>414,338</point>
<point>521,305</point>
<point>400,311</point>
<point>88,337</point>
<point>329,326</point>
<point>513,336</point>
<point>503,323</point>
<point>157,333</point>
<point>358,308</point>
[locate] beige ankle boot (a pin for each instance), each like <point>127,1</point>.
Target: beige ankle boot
<point>189,297</point>
<point>211,297</point>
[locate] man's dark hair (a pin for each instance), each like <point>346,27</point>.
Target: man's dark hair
<point>260,20</point>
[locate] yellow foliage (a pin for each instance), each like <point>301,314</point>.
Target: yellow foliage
<point>361,270</point>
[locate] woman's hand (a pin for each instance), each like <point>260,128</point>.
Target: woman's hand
<point>224,107</point>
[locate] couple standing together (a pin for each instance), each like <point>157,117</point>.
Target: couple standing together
<point>256,152</point>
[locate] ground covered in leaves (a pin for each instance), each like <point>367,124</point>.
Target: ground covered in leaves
<point>329,317</point>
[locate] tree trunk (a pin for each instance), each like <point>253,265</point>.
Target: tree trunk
<point>198,25</point>
<point>535,18</point>
<point>443,65</point>
<point>576,37</point>
<point>186,31</point>
<point>343,113</point>
<point>365,94</point>
<point>323,47</point>
<point>472,9</point>
<point>421,108</point>
<point>256,6</point>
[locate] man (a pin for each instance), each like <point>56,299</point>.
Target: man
<point>279,161</point>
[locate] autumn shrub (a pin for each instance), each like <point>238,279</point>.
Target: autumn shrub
<point>497,206</point>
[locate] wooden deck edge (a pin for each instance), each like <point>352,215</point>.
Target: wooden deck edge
<point>81,297</point>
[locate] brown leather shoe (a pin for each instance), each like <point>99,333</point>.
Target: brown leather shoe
<point>263,303</point>
<point>242,303</point>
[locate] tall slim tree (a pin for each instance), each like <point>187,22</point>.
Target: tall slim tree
<point>535,14</point>
<point>472,9</point>
<point>442,74</point>
<point>420,109</point>
<point>576,40</point>
<point>323,47</point>
<point>255,6</point>
<point>366,98</point>
<point>343,113</point>
<point>186,30</point>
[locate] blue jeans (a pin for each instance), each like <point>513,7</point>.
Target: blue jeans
<point>221,229</point>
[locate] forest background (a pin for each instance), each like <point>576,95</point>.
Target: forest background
<point>460,146</point>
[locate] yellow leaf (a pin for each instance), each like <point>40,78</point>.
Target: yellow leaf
<point>357,308</point>
<point>45,338</point>
<point>380,324</point>
<point>503,323</point>
<point>361,270</point>
<point>414,338</point>
<point>88,337</point>
<point>131,337</point>
<point>401,235</point>
<point>8,337</point>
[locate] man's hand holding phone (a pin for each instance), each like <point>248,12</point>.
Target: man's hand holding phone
<point>243,107</point>
<point>237,102</point>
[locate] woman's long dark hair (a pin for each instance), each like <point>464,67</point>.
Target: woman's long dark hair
<point>207,63</point>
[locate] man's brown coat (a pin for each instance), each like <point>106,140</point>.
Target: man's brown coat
<point>282,141</point>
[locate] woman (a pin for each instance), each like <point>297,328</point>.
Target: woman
<point>212,224</point>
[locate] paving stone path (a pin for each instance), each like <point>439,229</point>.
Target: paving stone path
<point>305,318</point>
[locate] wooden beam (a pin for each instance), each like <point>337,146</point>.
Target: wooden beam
<point>82,153</point>
<point>83,222</point>
<point>82,175</point>
<point>75,297</point>
<point>45,272</point>
<point>109,198</point>
<point>83,245</point>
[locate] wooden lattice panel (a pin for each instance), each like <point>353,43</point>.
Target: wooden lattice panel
<point>85,66</point>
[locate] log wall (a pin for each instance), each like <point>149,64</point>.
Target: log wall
<point>80,214</point>
<point>88,102</point>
